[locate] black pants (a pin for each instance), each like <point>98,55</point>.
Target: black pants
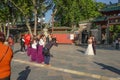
<point>94,49</point>
<point>6,78</point>
<point>22,47</point>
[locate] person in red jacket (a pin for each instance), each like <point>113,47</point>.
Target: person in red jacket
<point>6,54</point>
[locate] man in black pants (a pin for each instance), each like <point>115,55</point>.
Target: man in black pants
<point>94,44</point>
<point>22,43</point>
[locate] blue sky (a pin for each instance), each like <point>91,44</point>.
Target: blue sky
<point>48,14</point>
<point>107,1</point>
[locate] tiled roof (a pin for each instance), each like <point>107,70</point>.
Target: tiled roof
<point>111,8</point>
<point>100,19</point>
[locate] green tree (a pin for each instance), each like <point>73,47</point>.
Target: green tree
<point>70,12</point>
<point>31,9</point>
<point>5,17</point>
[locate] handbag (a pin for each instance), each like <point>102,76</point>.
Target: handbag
<point>4,55</point>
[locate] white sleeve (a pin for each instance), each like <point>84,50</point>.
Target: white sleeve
<point>23,40</point>
<point>41,42</point>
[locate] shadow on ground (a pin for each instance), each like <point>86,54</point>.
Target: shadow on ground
<point>23,75</point>
<point>83,52</point>
<point>16,51</point>
<point>107,67</point>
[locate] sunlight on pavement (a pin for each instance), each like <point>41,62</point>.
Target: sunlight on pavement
<point>66,70</point>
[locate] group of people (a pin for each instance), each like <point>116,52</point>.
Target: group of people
<point>91,49</point>
<point>35,50</point>
<point>36,46</point>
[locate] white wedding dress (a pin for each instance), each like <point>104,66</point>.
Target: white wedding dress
<point>89,50</point>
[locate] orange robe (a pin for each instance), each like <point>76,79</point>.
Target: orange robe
<point>5,64</point>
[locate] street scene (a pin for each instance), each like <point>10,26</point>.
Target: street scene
<point>59,39</point>
<point>69,63</point>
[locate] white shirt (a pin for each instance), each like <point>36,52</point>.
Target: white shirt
<point>34,45</point>
<point>23,40</point>
<point>71,36</point>
<point>41,42</point>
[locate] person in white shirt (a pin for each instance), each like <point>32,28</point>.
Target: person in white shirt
<point>33,49</point>
<point>34,44</point>
<point>117,44</point>
<point>41,45</point>
<point>42,40</point>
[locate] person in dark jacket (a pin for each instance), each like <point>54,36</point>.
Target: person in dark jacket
<point>22,43</point>
<point>46,50</point>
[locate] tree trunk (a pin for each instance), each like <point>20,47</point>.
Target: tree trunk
<point>8,31</point>
<point>35,23</point>
<point>4,29</point>
<point>0,27</point>
<point>35,17</point>
<point>28,26</point>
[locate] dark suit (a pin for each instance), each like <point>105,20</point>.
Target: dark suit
<point>94,45</point>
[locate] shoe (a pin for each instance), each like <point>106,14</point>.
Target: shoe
<point>47,65</point>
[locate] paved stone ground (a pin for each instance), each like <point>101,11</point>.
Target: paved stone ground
<point>69,63</point>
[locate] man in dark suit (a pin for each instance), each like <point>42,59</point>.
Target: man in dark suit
<point>94,44</point>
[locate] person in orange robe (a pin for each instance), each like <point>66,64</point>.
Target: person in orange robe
<point>6,54</point>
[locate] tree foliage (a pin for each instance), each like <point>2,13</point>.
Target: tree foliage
<point>5,17</point>
<point>73,11</point>
<point>31,10</point>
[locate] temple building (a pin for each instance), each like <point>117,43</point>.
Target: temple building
<point>110,18</point>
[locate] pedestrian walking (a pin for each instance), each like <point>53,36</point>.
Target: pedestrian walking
<point>117,44</point>
<point>22,43</point>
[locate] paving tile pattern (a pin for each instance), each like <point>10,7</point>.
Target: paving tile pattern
<point>66,61</point>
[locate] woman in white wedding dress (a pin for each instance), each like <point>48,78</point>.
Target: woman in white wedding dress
<point>89,50</point>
